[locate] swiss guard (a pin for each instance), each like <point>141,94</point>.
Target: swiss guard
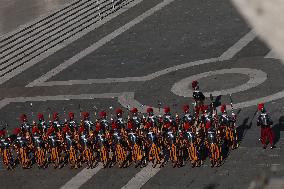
<point>119,123</point>
<point>206,118</point>
<point>134,122</point>
<point>151,120</point>
<point>72,123</point>
<point>41,123</point>
<point>56,122</point>
<point>224,119</point>
<point>198,98</point>
<point>265,123</point>
<point>25,126</point>
<point>86,120</point>
<point>168,120</point>
<point>187,119</point>
<point>103,123</point>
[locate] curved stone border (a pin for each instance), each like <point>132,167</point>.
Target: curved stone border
<point>256,77</point>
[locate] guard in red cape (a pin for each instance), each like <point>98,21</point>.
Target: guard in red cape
<point>198,98</point>
<point>265,122</point>
<point>187,119</point>
<point>134,122</point>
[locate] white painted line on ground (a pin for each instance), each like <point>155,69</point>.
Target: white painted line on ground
<point>256,77</point>
<point>6,101</point>
<point>273,155</point>
<point>272,54</point>
<point>128,79</point>
<point>232,51</point>
<point>238,46</point>
<point>142,177</point>
<point>98,44</point>
<point>82,177</point>
<point>70,40</point>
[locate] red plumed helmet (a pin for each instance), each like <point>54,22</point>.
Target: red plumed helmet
<point>35,130</point>
<point>85,115</point>
<point>134,110</point>
<point>40,116</point>
<point>223,108</point>
<point>2,133</point>
<point>260,106</point>
<point>103,114</point>
<point>55,115</point>
<point>167,110</point>
<point>185,108</point>
<point>118,111</point>
<point>149,110</point>
<point>194,84</point>
<point>16,131</point>
<point>23,117</point>
<point>71,115</point>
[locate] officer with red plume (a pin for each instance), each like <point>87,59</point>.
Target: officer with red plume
<point>265,122</point>
<point>25,126</point>
<point>187,119</point>
<point>134,122</point>
<point>198,98</point>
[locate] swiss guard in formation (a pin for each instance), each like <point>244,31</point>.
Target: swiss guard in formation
<point>187,119</point>
<point>136,137</point>
<point>265,123</point>
<point>134,121</point>
<point>72,122</point>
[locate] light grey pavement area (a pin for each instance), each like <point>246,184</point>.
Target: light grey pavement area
<point>16,13</point>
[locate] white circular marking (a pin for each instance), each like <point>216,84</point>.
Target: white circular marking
<point>256,77</point>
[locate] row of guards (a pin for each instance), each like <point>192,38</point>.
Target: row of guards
<point>137,139</point>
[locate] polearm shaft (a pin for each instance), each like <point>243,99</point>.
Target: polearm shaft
<point>231,102</point>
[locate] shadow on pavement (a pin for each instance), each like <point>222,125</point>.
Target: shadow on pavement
<point>242,129</point>
<point>277,128</point>
<point>210,186</point>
